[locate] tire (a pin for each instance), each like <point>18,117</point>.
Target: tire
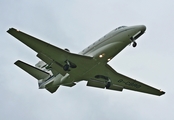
<point>134,44</point>
<point>66,67</point>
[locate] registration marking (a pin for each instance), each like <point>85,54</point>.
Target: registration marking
<point>132,84</point>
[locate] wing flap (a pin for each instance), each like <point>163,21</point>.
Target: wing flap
<point>116,87</point>
<point>95,83</point>
<point>35,72</point>
<point>102,84</point>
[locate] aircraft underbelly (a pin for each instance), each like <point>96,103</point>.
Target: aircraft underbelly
<point>108,51</point>
<point>109,47</point>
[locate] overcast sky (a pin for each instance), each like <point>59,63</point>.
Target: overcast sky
<point>74,25</point>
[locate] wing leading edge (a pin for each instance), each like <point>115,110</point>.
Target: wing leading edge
<point>51,54</point>
<point>45,48</point>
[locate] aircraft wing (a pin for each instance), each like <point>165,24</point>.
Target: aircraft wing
<point>118,81</point>
<point>50,54</point>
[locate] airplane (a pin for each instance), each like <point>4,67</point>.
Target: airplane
<point>59,67</point>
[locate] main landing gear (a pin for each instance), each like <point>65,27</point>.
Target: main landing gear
<point>108,84</point>
<point>68,65</point>
<point>107,80</point>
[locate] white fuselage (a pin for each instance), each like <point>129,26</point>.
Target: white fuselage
<point>112,43</point>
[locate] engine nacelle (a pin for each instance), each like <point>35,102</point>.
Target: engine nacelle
<point>59,80</point>
<point>54,81</point>
<point>44,66</point>
<point>41,64</point>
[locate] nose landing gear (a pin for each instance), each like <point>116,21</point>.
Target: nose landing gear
<point>133,41</point>
<point>134,44</point>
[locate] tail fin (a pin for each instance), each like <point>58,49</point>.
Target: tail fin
<point>35,72</point>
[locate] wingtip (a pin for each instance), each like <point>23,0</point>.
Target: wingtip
<point>12,29</point>
<point>9,29</point>
<point>16,63</point>
<point>162,93</point>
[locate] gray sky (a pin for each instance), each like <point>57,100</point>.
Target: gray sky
<point>75,25</point>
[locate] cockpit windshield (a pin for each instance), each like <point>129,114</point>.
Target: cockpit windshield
<point>120,27</point>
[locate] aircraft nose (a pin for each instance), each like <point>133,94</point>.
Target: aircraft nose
<point>138,30</point>
<point>141,28</point>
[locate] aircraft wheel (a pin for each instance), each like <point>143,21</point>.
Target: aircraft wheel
<point>108,85</point>
<point>66,67</point>
<point>134,44</point>
<point>72,65</point>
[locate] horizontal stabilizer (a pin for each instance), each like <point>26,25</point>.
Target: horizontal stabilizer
<point>35,72</point>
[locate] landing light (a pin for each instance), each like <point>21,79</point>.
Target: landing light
<point>101,55</point>
<point>109,59</point>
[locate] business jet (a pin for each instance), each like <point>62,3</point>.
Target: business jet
<point>59,67</point>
